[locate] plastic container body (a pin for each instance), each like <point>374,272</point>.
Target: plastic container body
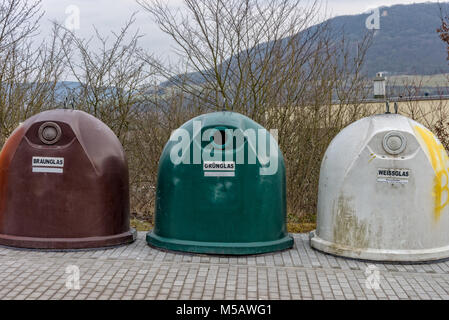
<point>64,184</point>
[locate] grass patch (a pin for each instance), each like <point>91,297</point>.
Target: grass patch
<point>303,224</point>
<point>140,225</point>
<point>293,227</point>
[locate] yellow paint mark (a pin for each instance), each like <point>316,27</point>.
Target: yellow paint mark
<point>439,160</point>
<point>374,157</point>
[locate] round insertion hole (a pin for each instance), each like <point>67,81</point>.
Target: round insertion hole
<point>49,133</point>
<point>220,137</point>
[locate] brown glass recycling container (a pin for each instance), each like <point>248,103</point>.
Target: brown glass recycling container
<point>64,184</point>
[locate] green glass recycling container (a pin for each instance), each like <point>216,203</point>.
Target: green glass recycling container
<point>221,189</point>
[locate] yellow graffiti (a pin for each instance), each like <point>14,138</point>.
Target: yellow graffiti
<point>439,160</point>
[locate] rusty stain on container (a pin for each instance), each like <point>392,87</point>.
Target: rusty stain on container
<point>348,230</point>
<point>64,184</point>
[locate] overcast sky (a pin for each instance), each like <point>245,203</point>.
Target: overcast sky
<point>109,15</point>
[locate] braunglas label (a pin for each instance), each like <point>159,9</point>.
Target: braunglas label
<point>47,165</point>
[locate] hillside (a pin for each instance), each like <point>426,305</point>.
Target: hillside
<point>407,42</point>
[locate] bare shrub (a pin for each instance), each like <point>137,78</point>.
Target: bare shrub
<point>157,117</point>
<point>29,72</point>
<point>262,59</point>
<point>114,82</point>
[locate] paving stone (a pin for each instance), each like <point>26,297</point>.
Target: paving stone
<point>138,271</point>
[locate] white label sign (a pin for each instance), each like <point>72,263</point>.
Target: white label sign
<point>47,165</point>
<point>393,176</point>
<point>219,174</point>
<point>219,168</point>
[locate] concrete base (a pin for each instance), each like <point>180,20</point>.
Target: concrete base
<point>218,247</point>
<point>68,243</point>
<point>380,255</point>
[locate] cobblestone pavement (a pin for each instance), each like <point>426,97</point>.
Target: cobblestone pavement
<point>140,272</point>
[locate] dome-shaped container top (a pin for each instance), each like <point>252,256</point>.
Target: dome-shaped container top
<point>64,184</point>
<point>383,193</point>
<point>230,202</point>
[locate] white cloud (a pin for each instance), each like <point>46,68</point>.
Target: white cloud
<point>106,16</point>
<point>348,7</point>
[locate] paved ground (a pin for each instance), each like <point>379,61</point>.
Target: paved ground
<point>140,272</point>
